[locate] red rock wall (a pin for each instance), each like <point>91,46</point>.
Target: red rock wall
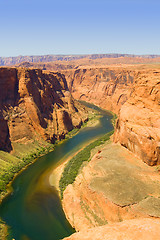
<point>34,104</point>
<point>138,125</point>
<point>8,94</point>
<point>133,92</point>
<point>139,229</point>
<point>106,87</point>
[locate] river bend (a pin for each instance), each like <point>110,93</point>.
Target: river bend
<point>33,209</point>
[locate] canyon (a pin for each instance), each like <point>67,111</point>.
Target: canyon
<point>119,188</point>
<point>96,197</point>
<point>115,186</point>
<point>36,105</point>
<point>138,125</point>
<point>108,88</point>
<point>36,111</point>
<point>134,95</point>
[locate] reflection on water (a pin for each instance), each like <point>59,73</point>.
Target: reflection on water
<point>33,210</point>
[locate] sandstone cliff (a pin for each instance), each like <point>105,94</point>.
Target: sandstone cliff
<point>114,186</point>
<point>139,229</point>
<point>138,125</point>
<point>36,105</point>
<point>132,91</point>
<point>108,88</point>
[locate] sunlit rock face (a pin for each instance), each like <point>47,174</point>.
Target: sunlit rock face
<point>140,229</point>
<point>114,186</point>
<point>138,124</point>
<point>36,105</point>
<point>133,94</point>
<point>108,88</point>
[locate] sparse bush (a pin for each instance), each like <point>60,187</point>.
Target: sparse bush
<point>72,168</point>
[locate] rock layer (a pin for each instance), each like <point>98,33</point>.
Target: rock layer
<point>36,105</point>
<point>139,229</point>
<point>138,125</point>
<point>132,91</point>
<point>111,189</point>
<point>114,186</point>
<point>108,88</point>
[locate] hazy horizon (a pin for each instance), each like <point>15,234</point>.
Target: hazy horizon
<point>39,55</point>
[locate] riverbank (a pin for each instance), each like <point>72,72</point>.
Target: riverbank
<point>18,165</point>
<point>57,173</point>
<point>55,176</point>
<point>26,154</point>
<point>114,186</point>
<point>15,167</point>
<point>73,166</point>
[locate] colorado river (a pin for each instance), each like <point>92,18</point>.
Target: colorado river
<point>33,210</point>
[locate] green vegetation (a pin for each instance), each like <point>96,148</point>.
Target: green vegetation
<point>72,168</point>
<point>72,133</point>
<point>10,164</point>
<point>23,150</point>
<point>24,154</point>
<point>114,118</point>
<point>3,231</point>
<point>92,117</point>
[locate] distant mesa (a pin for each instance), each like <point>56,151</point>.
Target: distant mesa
<point>8,61</point>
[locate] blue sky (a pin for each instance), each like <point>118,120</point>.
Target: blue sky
<point>79,27</point>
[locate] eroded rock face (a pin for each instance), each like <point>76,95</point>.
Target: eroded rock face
<point>8,95</point>
<point>138,125</point>
<point>116,185</point>
<point>36,105</point>
<point>113,187</point>
<point>133,91</point>
<point>108,88</point>
<point>139,229</point>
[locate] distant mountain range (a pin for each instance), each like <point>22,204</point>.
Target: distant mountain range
<point>8,61</point>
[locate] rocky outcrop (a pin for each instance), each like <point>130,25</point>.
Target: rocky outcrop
<point>139,229</point>
<point>8,95</point>
<point>114,186</point>
<point>133,92</point>
<point>36,105</point>
<point>108,88</point>
<point>138,124</point>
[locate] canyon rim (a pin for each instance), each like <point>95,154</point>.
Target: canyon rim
<point>120,187</point>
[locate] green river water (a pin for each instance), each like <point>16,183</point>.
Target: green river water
<point>33,209</point>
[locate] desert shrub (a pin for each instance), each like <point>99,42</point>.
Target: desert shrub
<point>72,168</point>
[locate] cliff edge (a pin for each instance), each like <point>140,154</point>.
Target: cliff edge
<point>133,93</point>
<point>36,105</point>
<point>138,124</point>
<point>108,88</point>
<point>114,186</point>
